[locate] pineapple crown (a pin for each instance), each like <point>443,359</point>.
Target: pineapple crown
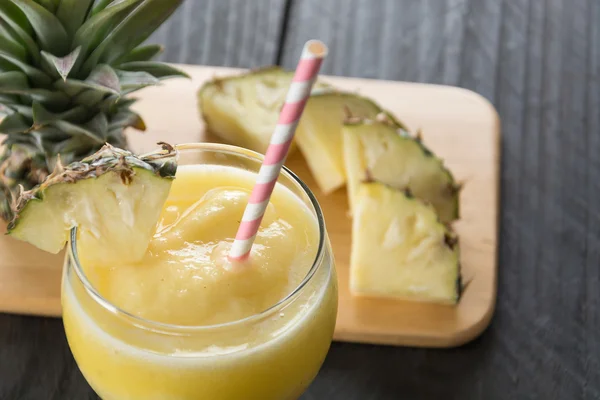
<point>66,67</point>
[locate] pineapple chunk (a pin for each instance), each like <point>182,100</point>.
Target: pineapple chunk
<point>400,249</point>
<point>113,198</point>
<point>382,151</point>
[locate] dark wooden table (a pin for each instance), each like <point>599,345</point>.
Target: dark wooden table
<point>538,61</point>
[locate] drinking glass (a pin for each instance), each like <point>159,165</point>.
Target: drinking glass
<point>274,354</point>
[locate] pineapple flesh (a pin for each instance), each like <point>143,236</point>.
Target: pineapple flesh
<point>113,197</point>
<point>381,150</point>
<point>319,134</point>
<point>243,109</point>
<point>66,68</point>
<point>400,249</point>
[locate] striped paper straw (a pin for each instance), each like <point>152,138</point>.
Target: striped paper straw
<point>306,73</point>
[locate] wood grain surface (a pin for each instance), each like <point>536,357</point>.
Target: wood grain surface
<point>538,62</point>
<point>228,33</point>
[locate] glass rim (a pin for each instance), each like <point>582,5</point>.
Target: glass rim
<point>167,327</point>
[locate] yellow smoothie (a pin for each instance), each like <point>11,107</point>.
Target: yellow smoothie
<point>192,325</point>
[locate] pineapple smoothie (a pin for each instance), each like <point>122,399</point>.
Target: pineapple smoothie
<point>184,322</point>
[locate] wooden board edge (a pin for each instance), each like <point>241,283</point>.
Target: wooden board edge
<point>43,308</point>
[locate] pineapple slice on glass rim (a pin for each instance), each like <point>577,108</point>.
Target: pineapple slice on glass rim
<point>112,197</point>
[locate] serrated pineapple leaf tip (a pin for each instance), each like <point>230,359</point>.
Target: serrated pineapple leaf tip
<point>62,65</point>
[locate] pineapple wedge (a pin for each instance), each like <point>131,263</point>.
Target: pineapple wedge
<point>400,249</point>
<point>381,150</point>
<point>243,109</point>
<point>113,198</point>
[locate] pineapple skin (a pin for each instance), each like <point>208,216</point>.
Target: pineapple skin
<point>66,69</point>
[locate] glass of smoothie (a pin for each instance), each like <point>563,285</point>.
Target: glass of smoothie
<point>186,323</point>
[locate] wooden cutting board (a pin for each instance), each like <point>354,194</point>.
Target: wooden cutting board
<point>459,125</point>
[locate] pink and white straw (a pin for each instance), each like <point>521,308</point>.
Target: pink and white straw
<point>306,73</point>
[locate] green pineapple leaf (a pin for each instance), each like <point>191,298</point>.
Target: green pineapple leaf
<point>125,102</point>
<point>75,149</point>
<point>49,5</point>
<point>44,96</point>
<point>15,17</point>
<point>95,29</point>
<point>77,130</point>
<point>133,30</point>
<point>25,111</point>
<point>142,53</point>
<point>72,13</point>
<point>105,76</point>
<point>17,139</point>
<point>77,115</point>
<point>103,79</point>
<point>61,65</point>
<point>50,32</point>
<point>38,78</point>
<point>110,104</point>
<point>6,66</point>
<point>89,98</point>
<point>13,20</point>
<point>44,139</point>
<point>98,125</point>
<point>41,116</point>
<point>116,137</point>
<point>11,47</point>
<point>135,80</point>
<point>13,80</point>
<point>156,69</point>
<point>71,149</point>
<point>16,83</point>
<point>10,100</point>
<point>55,99</point>
<point>5,110</point>
<point>14,123</point>
<point>8,34</point>
<point>127,118</point>
<point>100,5</point>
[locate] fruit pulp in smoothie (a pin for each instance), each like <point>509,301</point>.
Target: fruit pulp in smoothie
<point>186,280</point>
